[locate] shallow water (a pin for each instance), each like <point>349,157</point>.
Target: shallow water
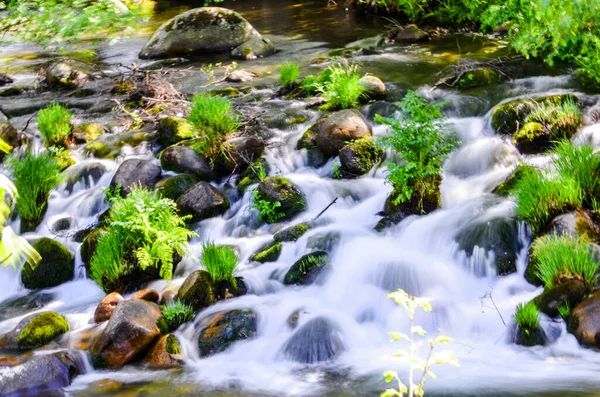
<point>419,255</point>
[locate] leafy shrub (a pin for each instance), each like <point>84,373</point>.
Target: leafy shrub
<point>342,89</point>
<point>54,123</point>
<point>220,262</point>
<point>312,82</point>
<point>213,118</point>
<point>422,143</point>
<point>175,313</point>
<point>527,316</point>
<point>560,258</point>
<point>288,74</point>
<point>35,176</point>
<point>267,211</point>
<point>144,231</point>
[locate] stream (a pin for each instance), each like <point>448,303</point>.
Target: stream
<point>420,255</point>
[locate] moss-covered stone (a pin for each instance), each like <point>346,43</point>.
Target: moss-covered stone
<point>505,188</point>
<point>64,159</point>
<point>231,91</point>
<point>198,290</point>
<point>358,157</point>
<point>479,77</point>
<point>420,203</point>
<point>108,146</point>
<point>35,331</point>
<point>56,267</point>
<point>183,159</point>
<point>292,233</point>
<point>174,129</point>
<point>308,139</point>
<point>584,321</point>
<point>100,150</point>
<point>88,132</point>
<point>291,198</point>
<point>308,269</point>
<point>251,175</point>
<point>173,187</point>
<point>532,138</point>
<point>88,246</point>
<point>267,253</point>
<point>224,329</point>
<point>530,337</point>
<point>166,353</point>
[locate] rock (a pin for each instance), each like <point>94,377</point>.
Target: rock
<point>166,353</point>
<point>417,205</point>
<point>56,267</point>
<point>291,198</point>
<point>107,306</point>
<point>308,141</point>
<point>242,152</point>
<point>168,296</point>
<point>292,233</point>
<point>570,293</point>
<point>12,91</point>
<point>109,146</point>
<point>340,128</point>
<point>64,159</point>
<point>241,76</point>
<point>202,201</point>
<point>136,172</point>
<point>174,186</point>
<point>530,337</point>
<point>373,87</point>
<point>22,305</point>
<point>479,77</point>
<point>267,253</point>
<point>359,157</point>
<point>174,129</point>
<point>584,321</point>
<point>226,290</point>
<point>224,329</point>
<point>198,290</point>
<point>5,79</point>
<point>186,160</point>
<point>8,133</point>
<point>231,91</point>
<point>42,375</point>
<point>146,294</point>
<point>532,138</point>
<point>34,331</point>
<point>87,132</point>
<point>293,318</point>
<point>316,341</point>
<point>86,173</point>
<point>308,269</point>
<point>256,47</point>
<point>410,34</point>
<point>130,331</point>
<point>66,74</point>
<point>199,31</point>
<point>324,241</point>
<point>8,361</point>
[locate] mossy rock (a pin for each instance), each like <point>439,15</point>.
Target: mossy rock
<point>359,157</point>
<point>19,306</point>
<point>530,337</point>
<point>308,269</point>
<point>64,159</point>
<point>231,91</point>
<point>532,138</point>
<point>198,290</point>
<point>419,204</point>
<point>571,293</point>
<point>291,198</point>
<point>225,329</point>
<point>309,138</point>
<point>479,77</point>
<point>109,146</point>
<point>56,267</point>
<point>173,187</point>
<point>506,188</point>
<point>183,159</point>
<point>250,175</point>
<point>267,253</point>
<point>174,129</point>
<point>202,201</point>
<point>256,47</point>
<point>292,233</point>
<point>88,132</point>
<point>35,331</point>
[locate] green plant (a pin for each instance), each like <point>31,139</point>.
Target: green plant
<point>527,316</point>
<point>337,170</point>
<point>213,118</point>
<point>288,74</point>
<point>565,310</point>
<point>143,232</point>
<point>560,118</point>
<point>34,177</point>
<point>268,211</point>
<point>411,304</point>
<point>175,313</point>
<point>220,262</point>
<point>560,258</point>
<point>311,82</point>
<point>342,89</point>
<point>581,164</point>
<point>422,144</point>
<point>54,122</point>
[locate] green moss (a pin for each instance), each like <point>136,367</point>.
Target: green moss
<point>91,131</point>
<point>175,186</point>
<point>231,91</point>
<point>308,140</point>
<point>268,253</point>
<point>56,267</point>
<point>307,269</point>
<point>198,290</point>
<point>358,157</point>
<point>479,77</point>
<point>292,233</point>
<point>251,174</point>
<point>99,150</point>
<point>586,228</point>
<point>64,159</point>
<point>174,129</point>
<point>124,87</point>
<point>507,187</point>
<point>99,361</point>
<point>529,133</point>
<point>42,329</point>
<point>172,345</point>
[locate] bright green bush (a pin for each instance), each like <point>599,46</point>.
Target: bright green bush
<point>143,232</point>
<point>220,262</point>
<point>422,143</point>
<point>581,164</point>
<point>527,316</point>
<point>288,74</point>
<point>34,176</point>
<point>175,313</point>
<point>311,82</point>
<point>213,118</point>
<point>560,258</point>
<point>54,122</point>
<point>342,89</point>
<point>267,211</point>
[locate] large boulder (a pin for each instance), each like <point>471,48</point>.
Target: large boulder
<point>173,187</point>
<point>41,375</point>
<point>107,306</point>
<point>279,189</point>
<point>198,290</point>
<point>358,157</point>
<point>136,172</point>
<point>34,331</point>
<point>185,160</point>
<point>226,328</point>
<point>584,321</point>
<point>131,330</point>
<point>199,31</point>
<point>567,294</point>
<point>166,353</point>
<point>56,267</point>
<point>308,269</point>
<point>316,341</point>
<point>202,201</point>
<point>339,129</point>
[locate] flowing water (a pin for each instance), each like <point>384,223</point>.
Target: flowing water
<point>472,304</point>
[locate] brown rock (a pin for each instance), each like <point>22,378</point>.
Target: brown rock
<point>584,321</point>
<point>166,353</point>
<point>168,296</point>
<point>339,129</point>
<point>146,294</point>
<point>107,306</point>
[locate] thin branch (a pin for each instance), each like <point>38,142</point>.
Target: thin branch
<point>326,208</point>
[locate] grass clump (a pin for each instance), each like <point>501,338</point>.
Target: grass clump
<point>288,74</point>
<point>175,313</point>
<point>220,262</point>
<point>560,119</point>
<point>213,118</point>
<point>143,233</point>
<point>342,88</point>
<point>560,258</point>
<point>35,176</point>
<point>54,123</point>
<point>527,316</point>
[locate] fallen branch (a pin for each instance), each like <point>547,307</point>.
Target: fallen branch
<point>326,208</point>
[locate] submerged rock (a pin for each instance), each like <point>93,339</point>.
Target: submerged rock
<point>131,330</point>
<point>24,304</point>
<point>408,34</point>
<point>267,253</point>
<point>34,331</point>
<point>185,160</point>
<point>198,290</point>
<point>56,267</point>
<point>166,353</point>
<point>107,306</point>
<point>530,337</point>
<point>340,128</point>
<point>292,233</point>
<point>224,329</point>
<point>584,321</point>
<point>256,47</point>
<point>473,78</point>
<point>359,157</point>
<point>279,189</point>
<point>175,186</point>
<point>316,341</point>
<point>136,172</point>
<point>202,201</point>
<point>308,269</point>
<point>199,31</point>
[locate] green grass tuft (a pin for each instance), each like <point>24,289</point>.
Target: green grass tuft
<point>560,118</point>
<point>54,122</point>
<point>288,74</point>
<point>176,313</point>
<point>342,89</point>
<point>527,316</point>
<point>220,262</point>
